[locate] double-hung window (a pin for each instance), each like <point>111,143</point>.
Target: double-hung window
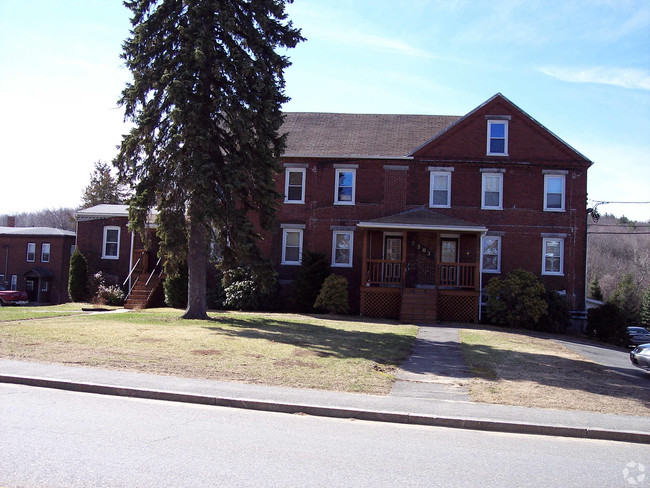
<point>553,256</point>
<point>45,252</point>
<point>294,185</point>
<point>31,252</point>
<point>111,243</point>
<point>342,246</point>
<point>491,254</point>
<point>345,186</point>
<point>554,192</point>
<point>14,282</point>
<point>291,246</point>
<point>440,189</point>
<point>497,137</point>
<point>492,191</point>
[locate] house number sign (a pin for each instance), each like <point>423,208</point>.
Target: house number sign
<point>424,250</point>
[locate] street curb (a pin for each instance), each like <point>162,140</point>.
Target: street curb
<point>336,412</point>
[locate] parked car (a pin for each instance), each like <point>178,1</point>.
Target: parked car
<point>638,336</point>
<point>640,356</point>
<point>12,297</point>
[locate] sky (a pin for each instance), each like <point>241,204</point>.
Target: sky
<point>580,68</point>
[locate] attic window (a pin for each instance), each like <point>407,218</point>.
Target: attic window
<point>497,137</point>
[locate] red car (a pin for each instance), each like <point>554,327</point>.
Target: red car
<point>10,297</point>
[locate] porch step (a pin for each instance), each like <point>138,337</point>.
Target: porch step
<point>418,306</point>
<point>144,296</point>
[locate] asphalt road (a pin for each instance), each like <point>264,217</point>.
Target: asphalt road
<point>51,438</point>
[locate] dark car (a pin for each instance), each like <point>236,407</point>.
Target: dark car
<point>638,336</point>
<point>11,297</point>
<point>640,356</point>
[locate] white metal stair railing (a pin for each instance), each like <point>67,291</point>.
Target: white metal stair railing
<point>129,276</point>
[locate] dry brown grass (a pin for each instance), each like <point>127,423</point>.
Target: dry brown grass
<point>520,369</point>
<point>330,353</point>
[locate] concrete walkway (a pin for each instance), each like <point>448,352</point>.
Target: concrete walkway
<point>435,368</point>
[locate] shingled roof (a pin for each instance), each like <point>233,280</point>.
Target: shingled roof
<point>359,135</point>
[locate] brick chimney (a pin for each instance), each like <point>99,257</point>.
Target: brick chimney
<point>11,221</point>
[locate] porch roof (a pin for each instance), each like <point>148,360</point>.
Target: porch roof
<point>422,219</point>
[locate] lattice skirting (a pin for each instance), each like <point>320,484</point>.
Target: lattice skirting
<point>381,303</point>
<point>457,308</point>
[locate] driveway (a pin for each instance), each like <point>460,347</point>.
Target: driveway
<point>613,358</point>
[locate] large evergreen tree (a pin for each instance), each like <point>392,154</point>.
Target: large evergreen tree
<point>205,100</point>
<point>103,187</point>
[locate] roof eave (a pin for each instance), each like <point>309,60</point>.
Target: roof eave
<point>395,226</point>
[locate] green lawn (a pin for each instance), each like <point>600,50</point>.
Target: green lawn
<point>332,353</point>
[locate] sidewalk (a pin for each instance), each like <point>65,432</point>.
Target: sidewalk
<point>400,409</point>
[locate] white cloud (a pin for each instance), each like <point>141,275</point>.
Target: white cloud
<point>636,79</point>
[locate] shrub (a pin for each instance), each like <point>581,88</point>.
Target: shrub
<point>314,269</point>
<point>516,300</point>
<point>558,316</point>
<point>645,310</point>
<point>627,299</point>
<point>244,291</point>
<point>594,290</point>
<point>110,295</point>
<point>333,296</point>
<point>607,322</point>
<point>175,287</point>
<point>78,281</point>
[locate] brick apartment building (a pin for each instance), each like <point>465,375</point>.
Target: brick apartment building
<point>36,260</point>
<point>418,212</point>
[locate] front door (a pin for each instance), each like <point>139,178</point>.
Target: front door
<point>31,287</point>
<point>448,254</point>
<point>392,252</point>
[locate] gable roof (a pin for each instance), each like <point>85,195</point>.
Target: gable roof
<point>488,101</point>
<point>422,219</point>
<point>318,134</point>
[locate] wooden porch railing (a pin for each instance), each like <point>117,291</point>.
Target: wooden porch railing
<point>384,272</point>
<point>460,275</point>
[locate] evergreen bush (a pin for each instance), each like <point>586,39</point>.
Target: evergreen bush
<point>594,291</point>
<point>607,322</point>
<point>78,280</point>
<point>333,296</point>
<point>244,291</point>
<point>518,300</point>
<point>557,317</point>
<point>175,287</point>
<point>313,271</point>
<point>645,310</point>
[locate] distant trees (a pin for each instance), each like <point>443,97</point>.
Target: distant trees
<point>103,188</point>
<point>58,218</point>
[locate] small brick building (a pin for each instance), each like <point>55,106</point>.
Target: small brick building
<point>36,260</point>
<point>420,212</point>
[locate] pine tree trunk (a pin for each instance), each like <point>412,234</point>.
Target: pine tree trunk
<point>197,258</point>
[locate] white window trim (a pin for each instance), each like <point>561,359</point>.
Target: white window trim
<point>33,246</point>
<point>336,185</point>
<point>48,252</point>
<point>342,265</point>
<point>284,247</point>
<point>484,176</point>
<point>562,208</point>
<point>119,234</point>
<point>553,273</point>
<point>303,171</point>
<point>489,138</point>
<point>494,271</point>
<point>432,175</point>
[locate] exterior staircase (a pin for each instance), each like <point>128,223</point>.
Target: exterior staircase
<point>145,295</point>
<point>418,306</point>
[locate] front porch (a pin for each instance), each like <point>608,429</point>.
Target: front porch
<point>421,266</point>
